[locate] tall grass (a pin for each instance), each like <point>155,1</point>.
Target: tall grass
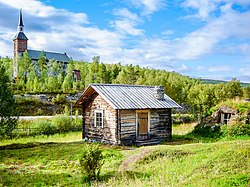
<point>57,138</point>
<point>36,161</point>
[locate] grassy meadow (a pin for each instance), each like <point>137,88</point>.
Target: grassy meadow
<point>54,161</point>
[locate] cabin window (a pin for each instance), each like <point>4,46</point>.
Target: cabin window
<point>98,118</point>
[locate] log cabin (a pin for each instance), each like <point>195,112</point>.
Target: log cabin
<point>126,114</point>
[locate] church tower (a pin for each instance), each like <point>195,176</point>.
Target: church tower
<point>20,44</point>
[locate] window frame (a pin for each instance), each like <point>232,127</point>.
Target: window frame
<point>96,122</point>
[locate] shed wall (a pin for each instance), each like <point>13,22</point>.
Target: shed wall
<point>160,125</point>
<point>127,127</point>
<point>107,134</point>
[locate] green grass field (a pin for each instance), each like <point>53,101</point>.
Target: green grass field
<point>54,161</point>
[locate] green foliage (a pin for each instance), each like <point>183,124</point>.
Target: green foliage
<point>162,153</point>
<point>24,65</point>
<point>183,118</point>
<point>246,92</point>
<point>238,128</point>
<point>54,77</point>
<point>45,127</point>
<point>233,89</point>
<point>242,107</point>
<point>91,161</point>
<point>32,105</point>
<point>58,124</point>
<point>62,123</point>
<point>209,131</point>
<point>8,106</point>
<point>66,110</point>
<point>59,99</point>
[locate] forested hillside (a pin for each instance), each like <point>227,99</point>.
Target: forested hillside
<point>54,78</point>
<point>210,81</point>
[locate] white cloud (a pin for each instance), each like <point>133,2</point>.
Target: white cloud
<point>204,7</point>
<point>126,22</point>
<point>127,27</point>
<point>125,13</point>
<point>168,32</point>
<point>72,32</point>
<point>224,69</point>
<point>62,31</point>
<point>245,70</point>
<point>5,50</point>
<point>149,7</point>
<point>202,41</point>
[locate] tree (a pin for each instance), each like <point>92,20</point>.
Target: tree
<point>233,89</point>
<point>24,67</point>
<point>8,106</point>
<point>42,63</point>
<point>201,98</point>
<point>246,92</point>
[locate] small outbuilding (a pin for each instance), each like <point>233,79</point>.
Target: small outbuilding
<point>126,114</point>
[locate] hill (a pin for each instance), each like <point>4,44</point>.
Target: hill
<point>211,81</point>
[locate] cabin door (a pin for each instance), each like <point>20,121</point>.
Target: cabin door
<point>142,128</point>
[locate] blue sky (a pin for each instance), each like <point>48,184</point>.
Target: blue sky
<point>198,38</point>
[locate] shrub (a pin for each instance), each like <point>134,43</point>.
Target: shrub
<point>59,99</point>
<point>62,123</point>
<point>238,128</point>
<point>45,128</point>
<point>91,161</point>
<point>183,118</point>
<point>207,130</point>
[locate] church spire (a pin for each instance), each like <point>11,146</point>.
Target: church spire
<point>20,23</point>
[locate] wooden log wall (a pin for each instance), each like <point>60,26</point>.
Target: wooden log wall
<point>107,134</point>
<point>161,124</point>
<point>127,124</point>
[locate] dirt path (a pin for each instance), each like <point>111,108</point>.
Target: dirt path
<point>132,159</point>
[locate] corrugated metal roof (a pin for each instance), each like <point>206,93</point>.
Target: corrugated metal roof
<point>60,57</point>
<point>121,96</point>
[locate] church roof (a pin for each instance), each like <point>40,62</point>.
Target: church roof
<point>20,23</point>
<point>60,57</point>
<point>20,36</point>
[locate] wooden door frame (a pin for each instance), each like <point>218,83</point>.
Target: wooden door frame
<point>136,122</point>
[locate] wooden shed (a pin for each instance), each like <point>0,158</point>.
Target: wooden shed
<point>126,114</point>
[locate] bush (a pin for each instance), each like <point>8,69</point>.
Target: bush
<point>45,128</point>
<point>62,123</point>
<point>183,118</point>
<point>207,130</point>
<point>59,99</point>
<point>238,129</point>
<point>91,161</point>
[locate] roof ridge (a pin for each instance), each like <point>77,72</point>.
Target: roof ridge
<point>130,85</point>
<point>46,51</point>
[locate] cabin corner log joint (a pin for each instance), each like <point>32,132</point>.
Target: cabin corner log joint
<point>126,114</point>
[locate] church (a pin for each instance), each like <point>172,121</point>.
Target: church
<point>21,45</point>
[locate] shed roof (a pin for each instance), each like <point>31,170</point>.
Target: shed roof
<point>60,57</point>
<point>121,96</point>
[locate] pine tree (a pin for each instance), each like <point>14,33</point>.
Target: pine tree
<point>8,106</point>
